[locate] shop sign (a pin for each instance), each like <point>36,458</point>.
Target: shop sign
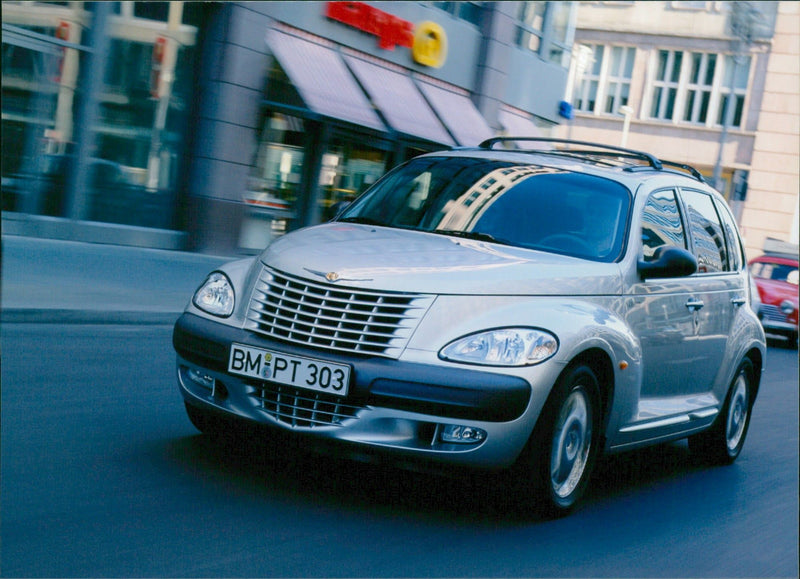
<point>430,44</point>
<point>427,41</point>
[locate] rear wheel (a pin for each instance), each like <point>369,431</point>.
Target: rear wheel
<point>565,443</point>
<point>722,443</point>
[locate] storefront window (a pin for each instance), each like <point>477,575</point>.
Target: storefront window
<point>279,162</point>
<point>274,186</point>
<point>562,21</point>
<point>469,11</point>
<point>132,129</point>
<point>531,25</point>
<point>32,136</point>
<point>151,10</point>
<point>122,167</point>
<point>348,169</point>
<point>277,197</point>
<point>547,28</point>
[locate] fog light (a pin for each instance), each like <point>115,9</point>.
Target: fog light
<point>462,434</point>
<point>201,378</point>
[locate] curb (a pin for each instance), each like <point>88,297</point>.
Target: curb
<point>68,316</point>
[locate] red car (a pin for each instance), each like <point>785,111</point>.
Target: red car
<point>776,278</point>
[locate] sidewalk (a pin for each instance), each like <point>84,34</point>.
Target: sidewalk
<point>45,280</point>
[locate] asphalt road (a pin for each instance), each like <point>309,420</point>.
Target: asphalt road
<point>103,476</point>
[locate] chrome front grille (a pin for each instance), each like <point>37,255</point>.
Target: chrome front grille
<point>302,409</point>
<point>331,317</point>
<point>773,313</point>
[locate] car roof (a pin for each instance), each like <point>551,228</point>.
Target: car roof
<point>780,258</point>
<point>626,166</point>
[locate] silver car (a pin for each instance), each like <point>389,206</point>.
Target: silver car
<point>492,308</point>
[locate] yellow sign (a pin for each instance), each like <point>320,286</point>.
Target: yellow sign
<point>430,44</point>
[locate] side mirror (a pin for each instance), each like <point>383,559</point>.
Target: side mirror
<point>670,261</point>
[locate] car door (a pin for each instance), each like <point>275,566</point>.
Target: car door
<point>714,293</point>
<point>657,309</point>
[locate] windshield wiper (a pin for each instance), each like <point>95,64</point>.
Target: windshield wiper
<point>476,235</point>
<point>362,220</point>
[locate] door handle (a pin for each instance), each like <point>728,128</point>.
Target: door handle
<point>738,301</point>
<point>695,305</point>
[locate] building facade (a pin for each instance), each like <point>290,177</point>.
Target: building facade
<point>715,85</point>
<point>225,124</point>
<point>97,104</point>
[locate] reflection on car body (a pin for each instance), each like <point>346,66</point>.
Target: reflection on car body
<point>492,308</point>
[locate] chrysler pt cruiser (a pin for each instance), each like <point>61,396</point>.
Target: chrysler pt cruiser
<point>495,308</point>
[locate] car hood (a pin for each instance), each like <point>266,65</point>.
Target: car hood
<point>774,292</point>
<point>388,259</point>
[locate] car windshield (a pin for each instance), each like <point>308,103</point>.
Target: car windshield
<point>526,206</point>
<point>775,271</point>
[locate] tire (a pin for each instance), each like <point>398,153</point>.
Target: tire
<point>565,443</point>
<point>722,443</point>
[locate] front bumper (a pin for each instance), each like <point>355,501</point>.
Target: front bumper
<point>392,405</point>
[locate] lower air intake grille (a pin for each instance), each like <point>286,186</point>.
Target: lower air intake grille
<point>303,409</point>
<point>333,317</point>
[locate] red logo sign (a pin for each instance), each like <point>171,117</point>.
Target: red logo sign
<point>390,30</point>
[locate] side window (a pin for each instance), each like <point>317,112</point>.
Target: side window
<point>735,252</point>
<point>661,224</point>
<point>706,229</point>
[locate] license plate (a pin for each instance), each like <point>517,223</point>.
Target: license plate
<point>297,371</point>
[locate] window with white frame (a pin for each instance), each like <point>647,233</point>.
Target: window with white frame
<point>699,87</point>
<point>692,87</point>
<point>604,82</point>
<point>737,73</point>
<point>587,82</point>
<point>618,81</point>
<point>665,84</point>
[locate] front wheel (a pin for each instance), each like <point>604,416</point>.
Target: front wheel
<point>722,443</point>
<point>565,442</point>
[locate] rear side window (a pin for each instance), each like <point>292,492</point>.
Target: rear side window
<point>708,238</point>
<point>736,257</point>
<point>661,224</point>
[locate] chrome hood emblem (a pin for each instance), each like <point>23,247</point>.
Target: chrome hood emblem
<point>333,276</point>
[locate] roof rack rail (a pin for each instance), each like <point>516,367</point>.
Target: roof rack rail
<point>695,173</point>
<point>653,161</point>
<point>603,150</point>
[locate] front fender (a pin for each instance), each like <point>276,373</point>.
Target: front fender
<point>581,325</point>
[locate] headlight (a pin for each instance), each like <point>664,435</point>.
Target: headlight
<point>503,347</point>
<point>215,296</point>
